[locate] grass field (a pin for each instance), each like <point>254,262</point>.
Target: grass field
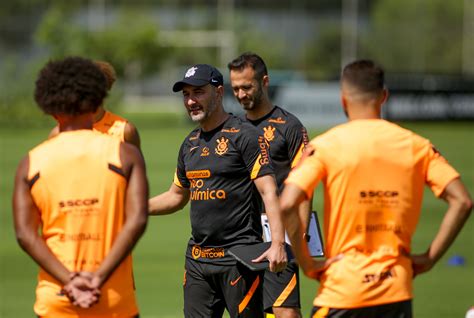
<point>159,258</point>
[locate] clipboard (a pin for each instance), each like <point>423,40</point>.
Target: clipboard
<point>246,253</point>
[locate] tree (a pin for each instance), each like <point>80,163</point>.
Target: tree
<point>322,57</point>
<point>416,36</point>
<point>130,43</point>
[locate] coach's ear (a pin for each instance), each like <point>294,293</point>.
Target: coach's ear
<point>220,91</point>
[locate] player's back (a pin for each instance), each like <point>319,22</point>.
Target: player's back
<point>79,188</point>
<point>374,175</point>
<point>375,179</point>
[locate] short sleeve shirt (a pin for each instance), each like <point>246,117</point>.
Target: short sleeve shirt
<point>218,167</point>
<point>373,173</point>
<point>286,137</point>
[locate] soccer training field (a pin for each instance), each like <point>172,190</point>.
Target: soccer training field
<point>446,291</point>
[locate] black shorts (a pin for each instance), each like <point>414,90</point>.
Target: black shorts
<point>211,288</point>
<point>402,309</point>
<point>282,289</point>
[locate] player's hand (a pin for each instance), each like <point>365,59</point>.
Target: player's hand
<point>276,256</point>
<point>82,289</point>
<point>421,263</point>
<point>314,268</point>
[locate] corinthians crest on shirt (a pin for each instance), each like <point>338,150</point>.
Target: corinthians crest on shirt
<point>269,133</point>
<point>222,146</point>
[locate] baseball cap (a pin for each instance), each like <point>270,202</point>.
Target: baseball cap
<point>200,75</point>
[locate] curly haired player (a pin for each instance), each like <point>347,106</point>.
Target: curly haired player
<point>80,201</point>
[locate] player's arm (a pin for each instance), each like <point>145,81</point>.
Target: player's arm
<point>297,138</point>
<point>459,210</point>
<point>54,132</point>
<point>131,135</point>
<point>27,222</point>
<point>299,187</point>
<point>177,195</point>
<point>169,202</point>
<point>304,212</point>
<point>276,254</point>
<point>291,199</point>
<point>136,213</point>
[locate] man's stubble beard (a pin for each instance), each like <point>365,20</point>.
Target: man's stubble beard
<point>255,101</point>
<point>205,113</point>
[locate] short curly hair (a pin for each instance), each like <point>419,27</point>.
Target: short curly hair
<point>109,72</point>
<point>71,86</point>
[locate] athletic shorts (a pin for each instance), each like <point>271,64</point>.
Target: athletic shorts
<point>402,309</point>
<point>282,289</point>
<point>211,288</point>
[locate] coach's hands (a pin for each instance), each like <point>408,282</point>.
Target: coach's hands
<point>82,289</point>
<point>276,256</point>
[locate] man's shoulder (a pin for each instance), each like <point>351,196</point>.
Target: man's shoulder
<point>417,140</point>
<point>238,126</point>
<point>44,145</point>
<point>191,140</point>
<point>403,132</point>
<point>281,116</point>
<point>331,136</point>
<point>193,135</point>
<point>114,116</point>
<point>235,120</point>
<point>371,129</point>
<point>84,139</point>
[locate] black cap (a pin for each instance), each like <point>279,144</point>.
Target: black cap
<point>200,75</point>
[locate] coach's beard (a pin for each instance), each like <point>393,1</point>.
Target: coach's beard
<point>200,113</point>
<point>197,115</point>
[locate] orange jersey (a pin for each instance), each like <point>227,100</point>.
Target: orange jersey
<point>111,124</point>
<point>79,189</point>
<point>373,173</point>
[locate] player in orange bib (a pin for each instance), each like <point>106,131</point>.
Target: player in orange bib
<point>108,122</point>
<point>373,173</point>
<point>80,201</point>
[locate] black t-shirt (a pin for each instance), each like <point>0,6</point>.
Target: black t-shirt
<point>219,167</point>
<point>286,137</point>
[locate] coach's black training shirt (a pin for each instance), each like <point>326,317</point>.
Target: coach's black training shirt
<point>286,137</point>
<point>218,167</point>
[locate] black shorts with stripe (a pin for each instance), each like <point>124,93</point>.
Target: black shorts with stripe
<point>281,289</point>
<point>402,309</point>
<point>211,288</point>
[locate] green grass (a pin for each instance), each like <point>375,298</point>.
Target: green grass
<point>159,258</point>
